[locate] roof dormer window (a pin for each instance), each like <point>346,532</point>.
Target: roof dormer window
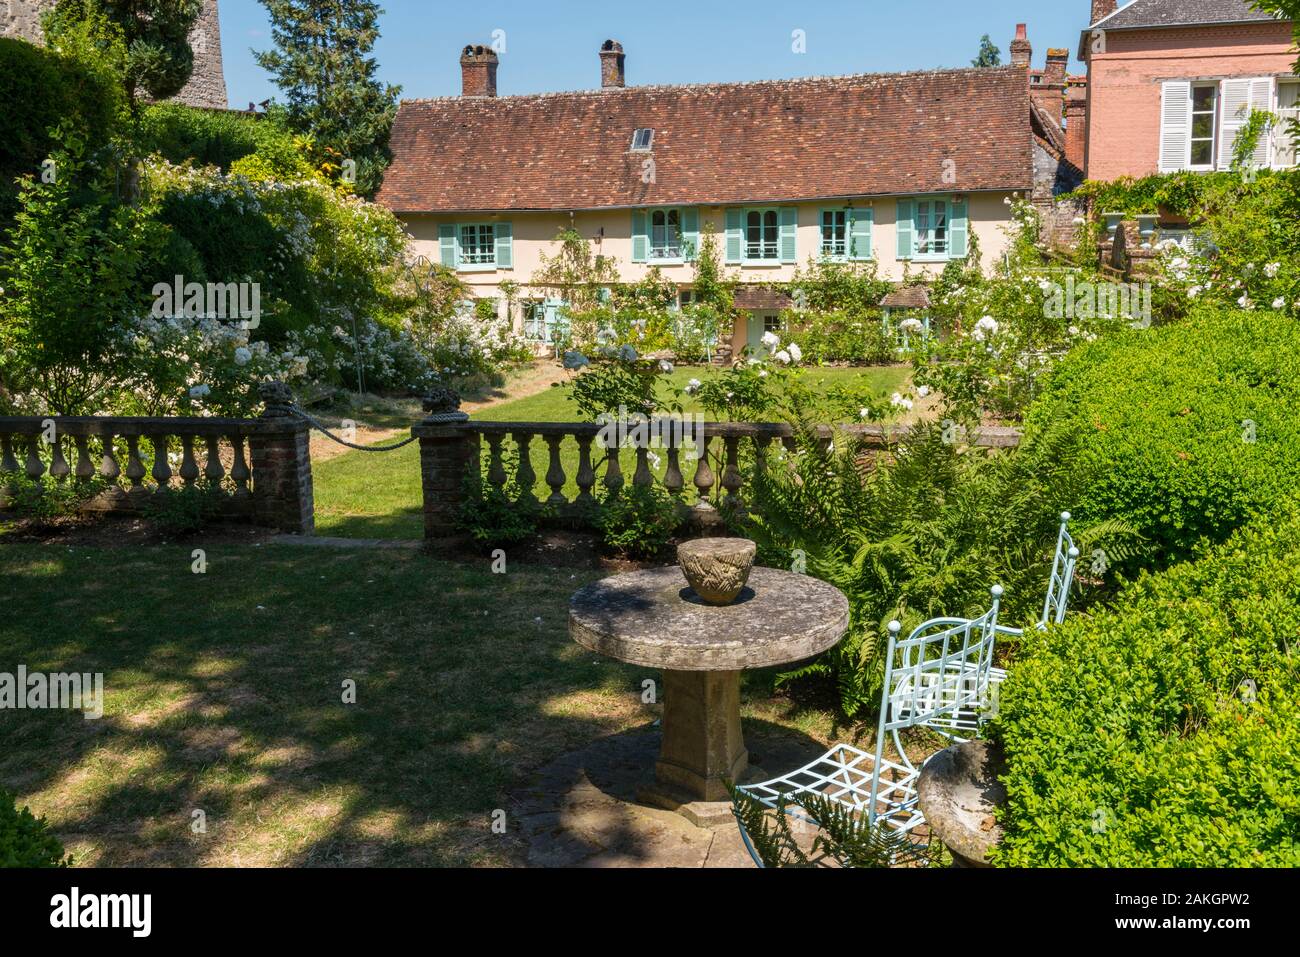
<point>642,140</point>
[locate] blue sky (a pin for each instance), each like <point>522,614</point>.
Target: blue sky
<point>553,45</point>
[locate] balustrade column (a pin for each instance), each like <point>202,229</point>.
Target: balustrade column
<point>731,478</point>
<point>525,474</point>
<point>555,477</point>
<point>586,477</point>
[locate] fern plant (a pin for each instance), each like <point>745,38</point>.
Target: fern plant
<point>919,531</point>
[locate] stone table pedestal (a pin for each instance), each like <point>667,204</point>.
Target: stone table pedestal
<point>653,618</point>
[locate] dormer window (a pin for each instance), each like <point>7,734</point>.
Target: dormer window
<point>642,140</point>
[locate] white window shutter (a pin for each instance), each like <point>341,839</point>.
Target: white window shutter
<point>1175,126</point>
<point>1234,110</point>
<point>1261,98</point>
<point>1288,110</point>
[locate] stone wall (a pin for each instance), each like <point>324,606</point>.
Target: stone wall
<point>207,85</point>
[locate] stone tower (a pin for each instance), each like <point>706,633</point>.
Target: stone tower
<point>207,85</point>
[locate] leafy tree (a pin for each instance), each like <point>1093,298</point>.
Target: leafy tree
<point>155,34</point>
<point>320,63</point>
<point>989,54</point>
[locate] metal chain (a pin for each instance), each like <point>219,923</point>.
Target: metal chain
<point>352,445</point>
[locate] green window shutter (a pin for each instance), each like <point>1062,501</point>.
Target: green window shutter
<point>958,227</point>
<point>906,234</point>
<point>505,235</point>
<point>690,220</point>
<point>640,237</point>
<point>789,220</point>
<point>860,223</point>
<point>735,235</point>
<point>448,245</point>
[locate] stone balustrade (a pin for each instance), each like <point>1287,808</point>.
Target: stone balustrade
<point>452,452</point>
<point>259,470</point>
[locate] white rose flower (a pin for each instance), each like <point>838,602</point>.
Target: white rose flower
<point>771,341</point>
<point>796,353</point>
<point>1272,269</point>
<point>693,386</point>
<point>782,357</point>
<point>923,391</point>
<point>1279,303</point>
<point>665,367</point>
<point>985,328</point>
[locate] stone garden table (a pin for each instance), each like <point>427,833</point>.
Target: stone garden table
<point>653,618</point>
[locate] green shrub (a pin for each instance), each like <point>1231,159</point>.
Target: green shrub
<point>210,138</point>
<point>1188,430</point>
<point>494,515</point>
<point>1165,732</point>
<point>45,499</point>
<point>26,841</point>
<point>638,521</point>
<point>184,510</point>
<point>43,89</point>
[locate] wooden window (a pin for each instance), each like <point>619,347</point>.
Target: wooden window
<point>762,235</point>
<point>478,244</point>
<point>835,233</point>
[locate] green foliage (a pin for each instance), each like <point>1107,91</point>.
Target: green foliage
<point>183,134</point>
<point>1164,733</point>
<point>44,499</point>
<point>1190,430</point>
<point>1182,193</point>
<point>73,275</point>
<point>495,516</point>
<point>842,836</point>
<point>989,54</point>
<point>154,34</point>
<point>25,840</point>
<point>921,534</point>
<point>71,87</point>
<point>638,520</point>
<point>617,382</point>
<point>184,510</point>
<point>838,315</point>
<point>321,65</point>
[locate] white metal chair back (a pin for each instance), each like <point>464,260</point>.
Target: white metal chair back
<point>1058,586</point>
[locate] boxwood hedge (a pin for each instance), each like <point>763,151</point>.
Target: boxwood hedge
<point>1166,731</point>
<point>1186,431</point>
<point>26,841</point>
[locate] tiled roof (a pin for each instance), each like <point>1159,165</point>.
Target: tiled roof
<point>907,297</point>
<point>1169,13</point>
<point>770,141</point>
<point>761,297</point>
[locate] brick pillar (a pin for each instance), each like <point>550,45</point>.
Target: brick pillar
<point>449,453</point>
<point>281,464</point>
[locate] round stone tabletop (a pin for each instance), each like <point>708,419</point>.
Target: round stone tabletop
<point>652,618</point>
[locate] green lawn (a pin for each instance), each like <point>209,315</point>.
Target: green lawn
<point>366,495</point>
<point>224,694</point>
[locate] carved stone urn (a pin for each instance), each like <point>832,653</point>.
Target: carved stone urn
<point>717,568</point>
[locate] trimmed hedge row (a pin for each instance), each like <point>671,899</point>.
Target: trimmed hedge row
<point>1187,431</point>
<point>1165,732</point>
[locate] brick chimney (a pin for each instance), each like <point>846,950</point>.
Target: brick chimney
<point>1076,123</point>
<point>1049,91</point>
<point>612,74</point>
<point>1022,52</point>
<point>1057,60</point>
<point>1101,9</point>
<point>478,71</point>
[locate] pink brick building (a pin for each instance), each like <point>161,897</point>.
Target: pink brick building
<point>1171,82</point>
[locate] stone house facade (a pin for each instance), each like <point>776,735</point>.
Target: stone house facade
<point>898,169</point>
<point>1171,82</point>
<point>207,84</point>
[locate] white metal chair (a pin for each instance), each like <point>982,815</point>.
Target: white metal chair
<point>934,678</point>
<point>1058,592</point>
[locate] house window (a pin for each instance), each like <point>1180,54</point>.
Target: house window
<point>772,324</point>
<point>762,234</point>
<point>685,297</point>
<point>835,236</point>
<point>478,245</point>
<point>665,234</point>
<point>642,140</point>
<point>1204,112</point>
<point>932,228</point>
